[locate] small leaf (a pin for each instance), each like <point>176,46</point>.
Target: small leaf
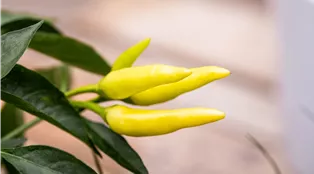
<point>11,143</point>
<point>70,51</point>
<point>59,76</point>
<point>44,159</point>
<point>33,93</point>
<point>13,46</point>
<point>11,118</point>
<point>115,146</point>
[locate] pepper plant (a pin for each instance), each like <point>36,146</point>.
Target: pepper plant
<point>46,94</point>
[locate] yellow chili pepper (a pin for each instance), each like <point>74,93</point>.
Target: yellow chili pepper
<point>126,82</point>
<point>199,77</point>
<point>128,57</point>
<point>140,122</point>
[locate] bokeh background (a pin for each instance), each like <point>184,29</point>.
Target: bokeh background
<point>240,35</point>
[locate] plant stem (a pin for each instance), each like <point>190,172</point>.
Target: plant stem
<point>268,157</point>
<point>91,106</point>
<point>96,160</point>
<point>65,81</point>
<point>97,99</point>
<point>19,130</point>
<point>83,89</point>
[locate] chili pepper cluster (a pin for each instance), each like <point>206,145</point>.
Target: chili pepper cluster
<point>153,84</point>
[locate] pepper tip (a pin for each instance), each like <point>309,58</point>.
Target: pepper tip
<point>221,72</point>
<point>219,115</point>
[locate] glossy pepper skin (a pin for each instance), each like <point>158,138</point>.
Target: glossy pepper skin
<point>126,82</point>
<point>199,77</point>
<point>128,57</point>
<point>141,122</point>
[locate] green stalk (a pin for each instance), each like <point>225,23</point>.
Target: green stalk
<point>91,106</point>
<point>83,89</point>
<point>19,130</point>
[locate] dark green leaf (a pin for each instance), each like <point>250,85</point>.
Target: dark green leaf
<point>51,42</point>
<point>70,51</point>
<point>59,76</point>
<point>115,146</point>
<point>7,17</point>
<point>11,143</point>
<point>16,25</point>
<point>9,169</point>
<point>13,45</point>
<point>11,118</point>
<point>33,93</point>
<point>44,160</point>
<point>15,21</point>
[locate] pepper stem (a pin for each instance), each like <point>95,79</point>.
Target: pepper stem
<point>83,89</point>
<point>101,111</point>
<point>97,99</point>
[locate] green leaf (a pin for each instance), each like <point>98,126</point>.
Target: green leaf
<point>60,76</point>
<point>9,169</point>
<point>13,45</point>
<point>7,144</point>
<point>11,143</point>
<point>70,51</point>
<point>9,16</point>
<point>49,41</point>
<point>45,160</point>
<point>11,118</point>
<point>33,93</point>
<point>115,146</point>
<point>15,21</point>
<point>22,23</point>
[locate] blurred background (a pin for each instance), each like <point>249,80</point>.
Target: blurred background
<point>240,35</point>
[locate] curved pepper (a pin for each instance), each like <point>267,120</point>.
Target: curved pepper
<point>140,122</point>
<point>128,57</point>
<point>126,82</point>
<point>199,77</point>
